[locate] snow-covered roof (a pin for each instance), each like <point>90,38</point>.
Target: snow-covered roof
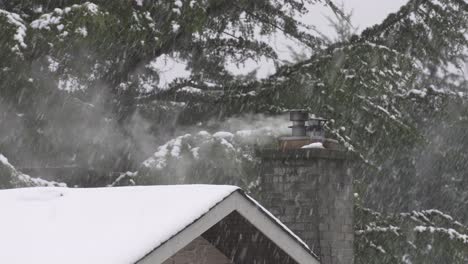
<point>122,224</point>
<point>98,225</point>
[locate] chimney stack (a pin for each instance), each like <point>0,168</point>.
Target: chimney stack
<point>311,189</point>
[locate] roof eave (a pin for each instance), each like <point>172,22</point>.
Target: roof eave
<point>251,211</point>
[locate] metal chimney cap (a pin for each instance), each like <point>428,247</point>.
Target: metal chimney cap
<point>298,115</point>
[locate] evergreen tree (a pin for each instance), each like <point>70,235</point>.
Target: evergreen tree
<point>82,84</point>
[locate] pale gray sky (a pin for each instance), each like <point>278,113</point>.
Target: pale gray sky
<point>365,13</point>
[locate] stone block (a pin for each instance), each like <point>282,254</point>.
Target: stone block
<point>348,253</point>
<point>324,227</point>
<point>297,226</point>
<point>326,259</point>
<point>346,228</point>
<point>309,234</point>
<point>334,260</point>
<point>349,237</point>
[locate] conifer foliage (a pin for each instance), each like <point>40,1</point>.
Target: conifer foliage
<point>150,89</point>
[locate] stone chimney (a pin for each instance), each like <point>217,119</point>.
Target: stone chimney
<point>311,189</point>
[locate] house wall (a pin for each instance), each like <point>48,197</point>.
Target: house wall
<point>199,251</point>
<point>311,192</point>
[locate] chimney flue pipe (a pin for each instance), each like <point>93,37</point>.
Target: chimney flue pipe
<point>298,117</point>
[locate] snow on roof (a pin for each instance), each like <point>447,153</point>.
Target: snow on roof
<point>318,145</point>
<point>98,225</point>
